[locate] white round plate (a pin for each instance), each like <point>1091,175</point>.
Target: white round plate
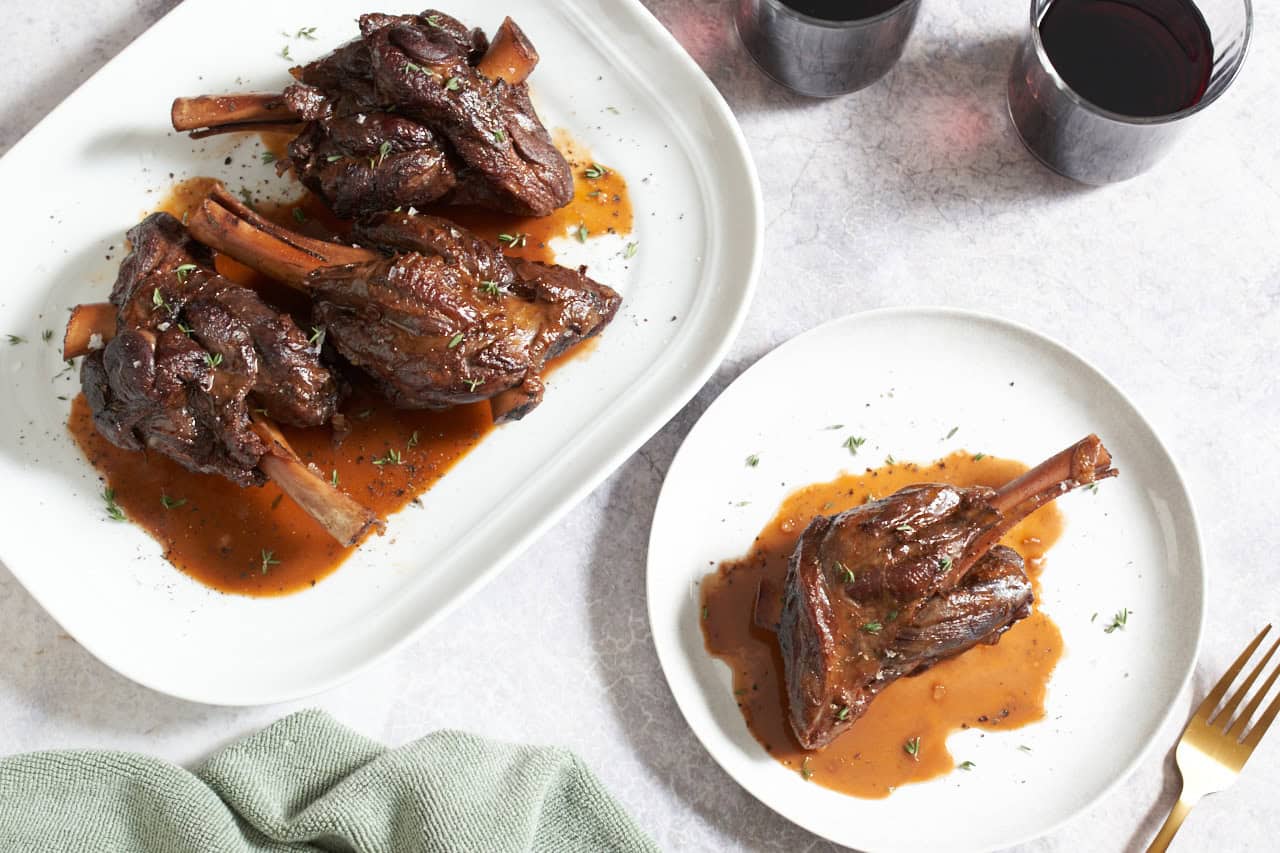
<point>903,378</point>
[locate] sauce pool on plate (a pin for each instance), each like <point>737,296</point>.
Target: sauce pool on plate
<point>902,737</point>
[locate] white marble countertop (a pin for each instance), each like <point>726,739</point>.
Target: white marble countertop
<point>915,191</point>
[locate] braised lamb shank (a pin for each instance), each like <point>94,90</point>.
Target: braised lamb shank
<point>418,109</point>
<point>435,315</point>
<point>889,588</point>
<point>188,364</point>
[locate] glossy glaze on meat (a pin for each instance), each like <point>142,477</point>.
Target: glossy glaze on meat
<point>445,318</point>
<point>193,354</point>
<point>403,116</point>
<point>891,587</point>
<point>434,314</point>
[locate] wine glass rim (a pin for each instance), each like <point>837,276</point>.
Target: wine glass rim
<point>827,23</point>
<point>1122,118</point>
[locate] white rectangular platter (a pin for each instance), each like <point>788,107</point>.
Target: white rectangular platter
<point>610,75</point>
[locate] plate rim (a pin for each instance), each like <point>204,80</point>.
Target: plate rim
<point>685,382</point>
<point>667,660</point>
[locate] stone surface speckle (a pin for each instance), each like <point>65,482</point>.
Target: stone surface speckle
<point>915,191</point>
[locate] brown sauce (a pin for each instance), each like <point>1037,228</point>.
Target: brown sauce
<point>256,541</point>
<point>601,205</point>
<point>221,534</point>
<point>989,687</point>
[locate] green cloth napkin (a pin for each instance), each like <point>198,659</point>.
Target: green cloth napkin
<point>307,783</point>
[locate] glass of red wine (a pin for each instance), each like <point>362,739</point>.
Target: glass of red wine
<point>1101,88</point>
<point>824,48</point>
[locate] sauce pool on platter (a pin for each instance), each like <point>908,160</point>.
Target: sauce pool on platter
<point>257,542</point>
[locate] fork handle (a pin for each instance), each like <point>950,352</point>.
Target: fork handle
<point>1171,825</point>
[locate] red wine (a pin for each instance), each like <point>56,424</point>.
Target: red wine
<point>1133,57</point>
<point>841,10</point>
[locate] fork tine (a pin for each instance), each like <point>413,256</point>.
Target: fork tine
<point>1220,689</point>
<point>1260,728</point>
<point>1237,728</point>
<point>1224,716</point>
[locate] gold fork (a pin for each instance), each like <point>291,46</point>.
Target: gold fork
<point>1214,746</point>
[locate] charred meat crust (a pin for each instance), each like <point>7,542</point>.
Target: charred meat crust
<point>193,354</point>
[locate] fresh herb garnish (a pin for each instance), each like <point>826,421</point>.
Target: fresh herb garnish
<point>490,287</point>
<point>891,616</point>
<point>889,460</point>
<point>473,384</point>
<point>157,299</point>
<point>455,340</point>
<point>284,53</point>
<point>630,251</point>
<point>753,460</point>
<point>966,765</point>
<point>843,572</point>
<point>853,442</point>
<point>842,713</point>
<point>1093,487</point>
<point>185,329</point>
<point>299,215</point>
<point>246,196</point>
<point>581,232</point>
<point>954,430</point>
<point>317,337</point>
<point>1024,747</point>
<point>944,565</point>
<point>872,627</point>
<point>113,509</point>
<point>595,170</point>
<point>806,772</point>
<point>268,156</point>
<point>46,335</point>
<point>705,612</point>
<point>499,135</point>
<point>453,84</point>
<point>14,340</point>
<point>306,33</point>
<point>213,360</point>
<point>515,241</point>
<point>392,458</point>
<point>182,271</point>
<point>268,560</point>
<point>433,21</point>
<point>171,503</point>
<point>978,457</point>
<point>333,158</point>
<point>1119,622</point>
<point>333,477</point>
<point>413,440</point>
<point>912,748</point>
<point>383,150</point>
<point>835,426</point>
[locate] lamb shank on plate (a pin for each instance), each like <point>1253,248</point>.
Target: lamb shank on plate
<point>892,587</point>
<point>418,109</point>
<point>188,364</point>
<point>434,314</point>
